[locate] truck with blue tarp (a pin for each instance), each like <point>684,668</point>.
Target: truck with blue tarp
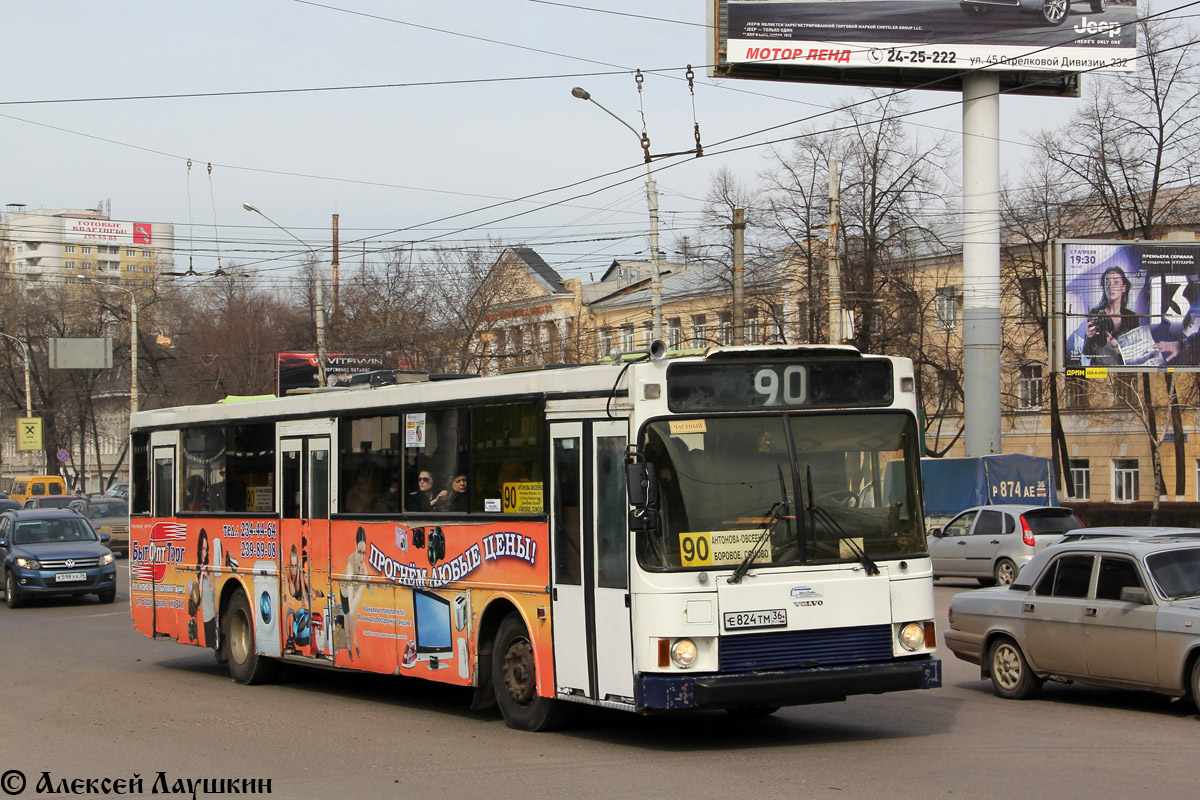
<point>954,484</point>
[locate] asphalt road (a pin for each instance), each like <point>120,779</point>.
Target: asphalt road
<point>84,696</point>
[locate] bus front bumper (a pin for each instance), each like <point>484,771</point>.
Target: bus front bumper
<point>677,691</point>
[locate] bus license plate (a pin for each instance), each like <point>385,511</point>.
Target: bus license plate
<point>770,618</point>
<point>63,577</point>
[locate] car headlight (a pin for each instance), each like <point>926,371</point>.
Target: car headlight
<point>29,563</point>
<point>106,559</point>
<point>912,636</point>
<point>683,653</point>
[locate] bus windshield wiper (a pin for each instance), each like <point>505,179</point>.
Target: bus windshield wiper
<point>819,513</point>
<point>774,514</point>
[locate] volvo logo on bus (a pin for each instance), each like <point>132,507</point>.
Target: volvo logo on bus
<point>806,596</point>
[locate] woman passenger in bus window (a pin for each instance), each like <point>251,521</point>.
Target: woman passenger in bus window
<point>196,494</point>
<point>422,498</point>
<point>455,498</point>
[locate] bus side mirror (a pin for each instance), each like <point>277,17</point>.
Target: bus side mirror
<point>641,484</point>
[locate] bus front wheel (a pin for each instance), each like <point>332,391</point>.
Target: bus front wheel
<point>238,645</point>
<point>514,676</point>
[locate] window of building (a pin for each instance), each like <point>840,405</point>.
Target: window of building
<point>946,308</point>
<point>752,331</point>
<point>725,329</point>
<point>647,334</point>
<point>85,265</point>
<point>777,336</point>
<point>1081,478</point>
<point>87,251</point>
<point>674,333</point>
<point>131,268</point>
<point>627,338</point>
<point>1124,480</point>
<point>951,391</point>
<point>69,248</point>
<point>699,331</point>
<point>70,279</point>
<point>146,254</point>
<point>603,341</point>
<point>147,269</point>
<point>68,265</point>
<point>1075,393</point>
<point>1029,387</point>
<point>1124,391</point>
<point>1031,299</point>
<point>131,253</point>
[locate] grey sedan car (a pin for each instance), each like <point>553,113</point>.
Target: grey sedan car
<point>990,543</point>
<point>1118,612</point>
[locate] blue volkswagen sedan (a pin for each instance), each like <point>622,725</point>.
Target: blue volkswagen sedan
<point>53,552</point>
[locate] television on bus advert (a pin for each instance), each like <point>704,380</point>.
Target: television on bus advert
<point>298,370</point>
<point>1129,306</point>
<point>920,43</point>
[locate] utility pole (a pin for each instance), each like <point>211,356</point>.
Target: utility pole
<point>834,259</point>
<point>335,266</point>
<point>739,276</point>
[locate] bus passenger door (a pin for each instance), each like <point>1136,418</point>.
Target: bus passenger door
<point>589,561</point>
<point>613,644</point>
<point>163,534</point>
<point>568,596</point>
<point>304,591</point>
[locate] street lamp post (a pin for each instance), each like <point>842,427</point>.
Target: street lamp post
<point>320,297</point>
<point>133,339</point>
<point>652,204</point>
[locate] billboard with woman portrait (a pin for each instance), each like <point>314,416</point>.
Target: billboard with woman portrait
<point>1129,305</point>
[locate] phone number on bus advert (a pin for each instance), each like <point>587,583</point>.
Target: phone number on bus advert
<point>895,56</point>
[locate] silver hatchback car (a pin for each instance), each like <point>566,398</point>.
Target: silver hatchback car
<point>990,543</point>
<point>1118,611</point>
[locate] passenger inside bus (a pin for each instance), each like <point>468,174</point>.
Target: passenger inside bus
<point>389,501</point>
<point>361,497</point>
<point>422,498</point>
<point>196,494</point>
<point>455,498</point>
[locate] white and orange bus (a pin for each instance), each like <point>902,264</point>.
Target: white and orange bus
<point>740,529</point>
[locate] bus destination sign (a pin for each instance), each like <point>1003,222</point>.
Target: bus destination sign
<point>735,386</point>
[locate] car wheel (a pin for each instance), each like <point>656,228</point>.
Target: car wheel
<point>1099,6</point>
<point>237,638</point>
<point>1196,684</point>
<point>11,598</point>
<point>1055,12</point>
<point>514,676</point>
<point>1005,572</point>
<point>109,596</point>
<point>1011,677</point>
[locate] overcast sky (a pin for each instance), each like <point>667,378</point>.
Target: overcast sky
<point>477,112</point>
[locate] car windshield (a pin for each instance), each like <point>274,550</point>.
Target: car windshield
<point>42,531</point>
<point>1177,572</point>
<point>729,485</point>
<point>107,508</point>
<point>1052,520</point>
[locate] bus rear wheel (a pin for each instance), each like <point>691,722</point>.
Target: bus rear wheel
<point>514,676</point>
<point>246,666</point>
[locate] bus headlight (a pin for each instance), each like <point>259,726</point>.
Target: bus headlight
<point>683,653</point>
<point>912,636</point>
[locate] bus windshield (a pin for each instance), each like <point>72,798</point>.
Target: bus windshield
<point>728,489</point>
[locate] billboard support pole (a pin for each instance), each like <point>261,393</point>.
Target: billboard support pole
<point>981,263</point>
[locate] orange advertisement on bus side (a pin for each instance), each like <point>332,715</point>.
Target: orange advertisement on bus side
<point>380,596</point>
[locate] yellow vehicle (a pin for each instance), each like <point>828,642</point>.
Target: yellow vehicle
<point>26,486</point>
